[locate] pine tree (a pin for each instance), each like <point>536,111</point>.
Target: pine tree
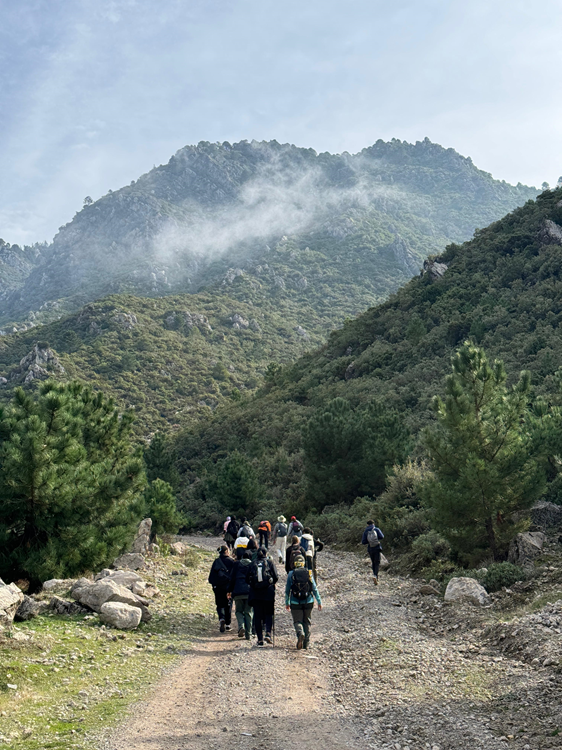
<point>70,482</point>
<point>348,453</point>
<point>487,453</point>
<point>161,508</point>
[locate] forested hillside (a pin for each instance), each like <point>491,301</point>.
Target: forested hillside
<point>502,290</point>
<point>336,233</point>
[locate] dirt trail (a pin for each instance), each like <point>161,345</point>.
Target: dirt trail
<point>374,678</point>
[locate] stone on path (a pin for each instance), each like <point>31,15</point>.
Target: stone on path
<point>466,589</point>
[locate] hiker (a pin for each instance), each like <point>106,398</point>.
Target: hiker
<point>318,547</point>
<point>293,551</point>
<point>231,532</point>
<point>279,538</point>
<point>307,543</point>
<point>300,592</point>
<point>225,525</point>
<point>245,529</point>
<point>264,530</point>
<point>295,528</point>
<point>240,590</point>
<point>372,538</point>
<point>219,578</point>
<point>240,546</point>
<point>262,578</point>
<point>252,548</point>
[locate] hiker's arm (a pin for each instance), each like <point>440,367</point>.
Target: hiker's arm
<point>288,590</point>
<point>316,592</point>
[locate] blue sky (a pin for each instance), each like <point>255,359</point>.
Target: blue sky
<point>93,94</point>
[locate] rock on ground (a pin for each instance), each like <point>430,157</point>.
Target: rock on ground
<point>30,608</point>
<point>58,585</point>
<point>10,599</point>
<point>131,560</point>
<point>467,589</point>
<point>141,543</point>
<point>525,547</point>
<point>120,615</point>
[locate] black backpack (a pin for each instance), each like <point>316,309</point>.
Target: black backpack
<point>281,529</point>
<point>301,587</point>
<point>260,577</point>
<point>223,573</point>
<point>232,528</point>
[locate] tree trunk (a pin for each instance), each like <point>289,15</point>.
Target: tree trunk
<point>492,538</point>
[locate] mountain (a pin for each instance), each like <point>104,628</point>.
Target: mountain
<point>503,289</point>
<point>335,233</point>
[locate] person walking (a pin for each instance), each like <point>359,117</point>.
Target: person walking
<point>240,590</point>
<point>252,548</point>
<point>231,532</point>
<point>279,538</point>
<point>219,578</point>
<point>307,543</point>
<point>262,578</point>
<point>318,547</point>
<point>245,529</point>
<point>240,546</point>
<point>372,538</point>
<point>264,531</point>
<point>300,593</point>
<point>295,528</point>
<point>292,552</point>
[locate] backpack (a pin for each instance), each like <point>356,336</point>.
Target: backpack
<point>304,544</point>
<point>260,576</point>
<point>223,574</point>
<point>247,531</point>
<point>373,538</point>
<point>294,553</point>
<point>301,587</point>
<point>232,528</point>
<point>281,529</point>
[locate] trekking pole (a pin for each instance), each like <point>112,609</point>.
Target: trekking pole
<point>273,628</point>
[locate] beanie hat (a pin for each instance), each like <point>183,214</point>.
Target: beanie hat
<point>293,518</point>
<point>298,562</point>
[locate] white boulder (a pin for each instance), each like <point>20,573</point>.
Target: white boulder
<point>119,615</point>
<point>131,560</point>
<point>10,599</point>
<point>524,547</point>
<point>58,585</point>
<point>466,589</point>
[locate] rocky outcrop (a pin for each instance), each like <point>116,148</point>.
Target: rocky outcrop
<point>30,608</point>
<point>433,269</point>
<point>60,606</point>
<point>239,322</point>
<point>94,594</point>
<point>184,318</point>
<point>141,543</point>
<point>121,616</point>
<point>299,330</point>
<point>41,363</point>
<point>546,514</point>
<point>551,233</point>
<point>525,547</point>
<point>11,598</point>
<point>466,589</point>
<point>58,585</point>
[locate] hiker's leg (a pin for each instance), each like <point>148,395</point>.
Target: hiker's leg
<point>228,611</point>
<point>248,613</point>
<point>298,614</point>
<point>221,602</point>
<point>376,558</point>
<point>258,619</point>
<point>240,603</point>
<point>307,623</point>
<point>372,556</point>
<point>268,617</point>
<point>266,535</point>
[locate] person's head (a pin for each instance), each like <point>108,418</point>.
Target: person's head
<point>293,518</point>
<point>252,544</point>
<point>246,556</point>
<point>307,530</point>
<point>244,520</point>
<point>281,519</point>
<point>262,553</point>
<point>233,517</point>
<point>370,523</point>
<point>228,518</point>
<point>299,561</point>
<point>223,550</point>
<point>296,540</point>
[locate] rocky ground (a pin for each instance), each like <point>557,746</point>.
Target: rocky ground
<point>388,669</point>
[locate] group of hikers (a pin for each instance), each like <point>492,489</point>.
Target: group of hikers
<point>244,574</point>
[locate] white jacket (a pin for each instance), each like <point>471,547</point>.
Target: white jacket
<point>309,538</point>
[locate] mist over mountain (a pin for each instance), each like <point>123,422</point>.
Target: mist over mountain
<point>335,233</point>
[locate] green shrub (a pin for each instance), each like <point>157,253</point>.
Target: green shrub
<point>502,574</point>
<point>429,547</point>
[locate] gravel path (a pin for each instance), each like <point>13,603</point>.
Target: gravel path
<point>377,676</point>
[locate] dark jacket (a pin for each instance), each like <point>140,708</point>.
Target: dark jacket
<point>290,555</point>
<point>239,585</point>
<point>223,561</point>
<point>380,535</point>
<point>263,595</point>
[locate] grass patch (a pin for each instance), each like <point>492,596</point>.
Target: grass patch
<point>74,678</point>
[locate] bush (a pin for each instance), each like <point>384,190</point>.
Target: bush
<point>502,574</point>
<point>429,547</point>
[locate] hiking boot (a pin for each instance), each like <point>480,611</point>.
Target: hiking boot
<point>300,642</point>
<point>228,627</point>
<point>268,638</point>
<point>261,643</point>
<point>241,633</point>
<point>222,626</point>
<point>306,643</point>
<point>248,637</point>
<point>375,580</point>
